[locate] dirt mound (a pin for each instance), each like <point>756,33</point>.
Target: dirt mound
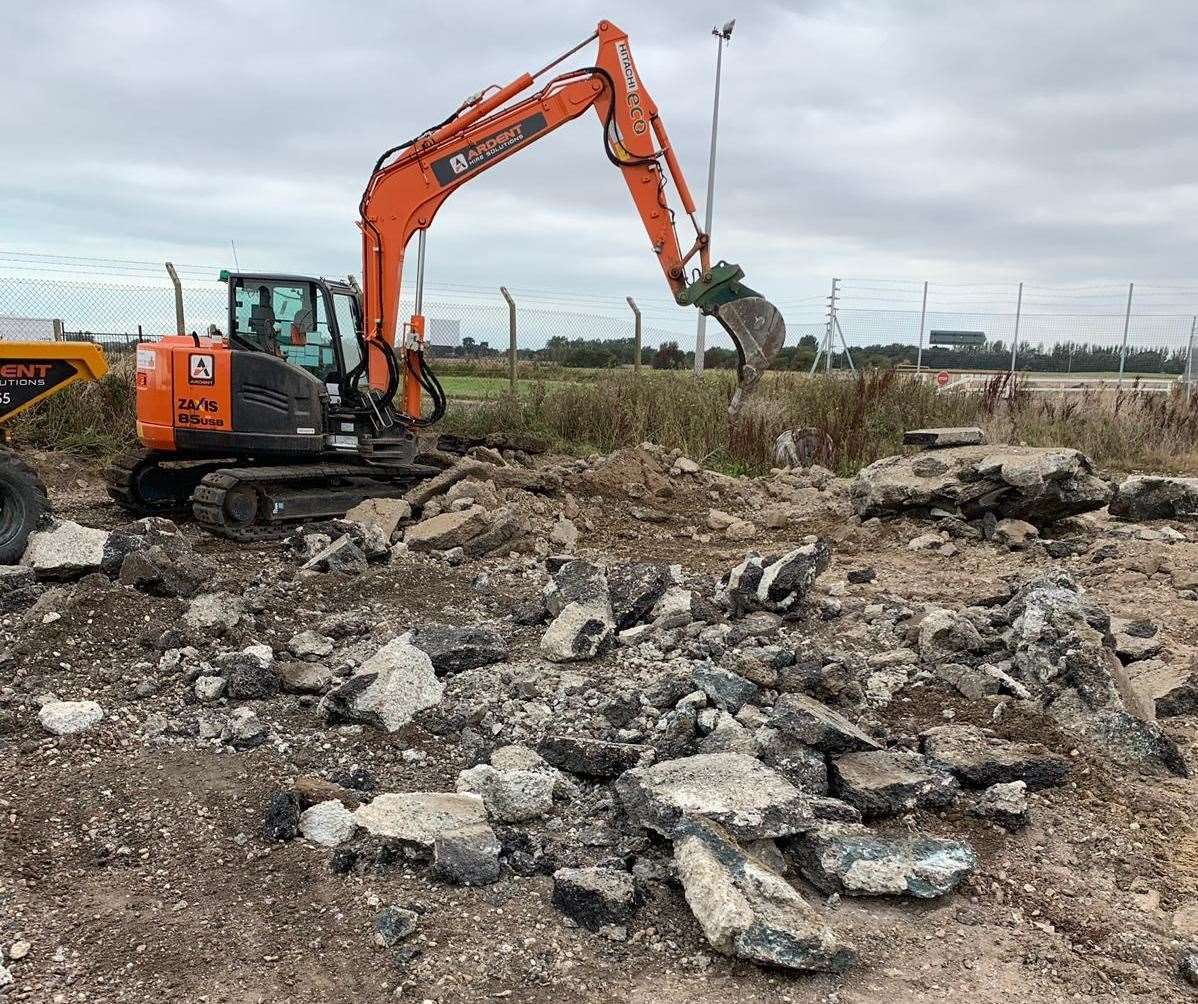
<point>634,473</point>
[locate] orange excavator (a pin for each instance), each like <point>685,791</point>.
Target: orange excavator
<point>312,401</point>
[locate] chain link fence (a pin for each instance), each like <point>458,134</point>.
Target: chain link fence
<point>1089,331</point>
<point>1096,332</point>
<point>462,324</point>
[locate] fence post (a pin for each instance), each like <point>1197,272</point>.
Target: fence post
<point>923,313</point>
<point>1190,360</point>
<point>1126,323</point>
<point>180,327</point>
<point>511,350</point>
<point>59,330</point>
<point>636,358</point>
<point>1015,340</point>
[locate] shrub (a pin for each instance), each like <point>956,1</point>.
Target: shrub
<point>863,417</point>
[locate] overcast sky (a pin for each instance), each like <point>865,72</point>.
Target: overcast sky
<point>1055,142</point>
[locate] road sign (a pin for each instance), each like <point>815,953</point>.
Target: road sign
<point>942,378</point>
<point>957,338</point>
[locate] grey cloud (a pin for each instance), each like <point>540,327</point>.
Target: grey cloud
<point>1053,142</point>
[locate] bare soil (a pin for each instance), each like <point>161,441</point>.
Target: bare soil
<point>134,864</point>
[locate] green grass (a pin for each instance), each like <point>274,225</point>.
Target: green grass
<point>475,388</point>
<point>864,418</point>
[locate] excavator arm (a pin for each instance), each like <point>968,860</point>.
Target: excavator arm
<point>410,183</point>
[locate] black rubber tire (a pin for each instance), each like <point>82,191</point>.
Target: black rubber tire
<point>23,503</point>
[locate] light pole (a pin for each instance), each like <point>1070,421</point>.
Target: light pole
<point>722,35</point>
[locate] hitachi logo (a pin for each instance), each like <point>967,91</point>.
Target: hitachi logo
<point>626,66</point>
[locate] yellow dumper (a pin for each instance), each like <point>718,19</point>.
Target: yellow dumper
<point>31,372</point>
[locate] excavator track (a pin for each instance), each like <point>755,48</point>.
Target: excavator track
<point>250,504</point>
<point>148,483</point>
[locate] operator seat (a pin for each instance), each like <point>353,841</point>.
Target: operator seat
<point>262,321</point>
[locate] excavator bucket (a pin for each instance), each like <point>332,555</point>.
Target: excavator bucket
<point>758,330</point>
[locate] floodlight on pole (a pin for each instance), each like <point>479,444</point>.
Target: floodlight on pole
<point>722,35</point>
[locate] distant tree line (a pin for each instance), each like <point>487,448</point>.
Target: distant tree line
<point>1063,357</point>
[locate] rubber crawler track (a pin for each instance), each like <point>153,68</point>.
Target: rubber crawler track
<point>122,475</point>
<point>209,500</point>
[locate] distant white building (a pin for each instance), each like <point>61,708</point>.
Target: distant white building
<point>28,329</point>
<point>444,332</point>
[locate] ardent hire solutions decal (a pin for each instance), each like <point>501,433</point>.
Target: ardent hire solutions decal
<point>21,380</point>
<point>470,158</point>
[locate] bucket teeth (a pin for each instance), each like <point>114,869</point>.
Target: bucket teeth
<point>758,330</point>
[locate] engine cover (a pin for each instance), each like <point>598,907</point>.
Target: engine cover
<point>209,398</point>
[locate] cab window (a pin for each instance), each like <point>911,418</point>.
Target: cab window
<point>345,305</point>
<point>288,319</point>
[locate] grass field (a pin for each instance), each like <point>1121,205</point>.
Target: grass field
<point>479,388</point>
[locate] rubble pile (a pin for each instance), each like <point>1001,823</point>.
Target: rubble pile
<point>1034,484</point>
<point>505,688</point>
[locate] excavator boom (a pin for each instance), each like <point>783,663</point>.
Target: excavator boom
<point>411,182</point>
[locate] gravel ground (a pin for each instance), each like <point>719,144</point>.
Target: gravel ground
<point>134,866</point>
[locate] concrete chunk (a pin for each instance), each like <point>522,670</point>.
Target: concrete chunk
<point>1038,484</point>
<point>849,859</point>
<point>65,718</point>
<point>980,759</point>
<point>327,823</point>
<point>595,897</point>
<point>1004,804</point>
<point>1154,497</point>
<point>420,817</point>
<point>932,439</point>
<point>467,856</point>
<point>511,796</point>
<point>592,757</point>
<point>447,530</point>
<point>814,724</point>
<point>387,692</point>
<point>746,909</point>
<point>65,551</point>
<point>737,791</point>
<point>454,649</point>
<point>386,514</point>
<point>891,782</point>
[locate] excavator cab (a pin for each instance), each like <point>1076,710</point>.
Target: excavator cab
<point>313,324</point>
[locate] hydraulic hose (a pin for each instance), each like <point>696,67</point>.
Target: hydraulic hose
<point>432,387</point>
